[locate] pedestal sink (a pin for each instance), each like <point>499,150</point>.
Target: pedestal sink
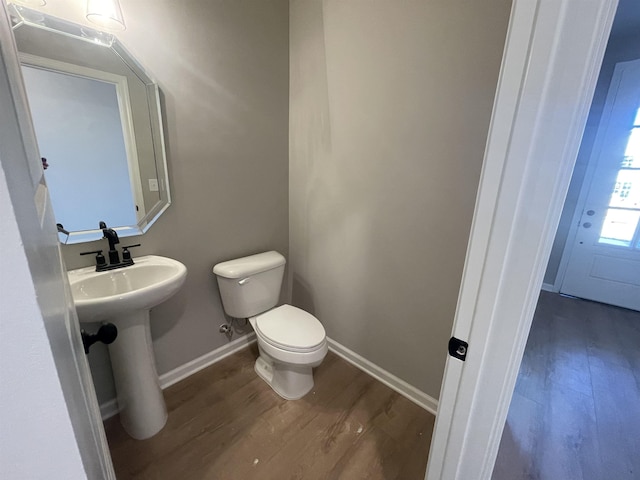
<point>124,297</point>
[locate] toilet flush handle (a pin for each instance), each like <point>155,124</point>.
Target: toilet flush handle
<point>244,281</point>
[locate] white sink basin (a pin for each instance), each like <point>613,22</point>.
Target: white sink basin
<point>150,281</point>
<point>124,297</point>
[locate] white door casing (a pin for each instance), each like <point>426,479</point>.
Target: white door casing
<point>552,57</point>
<point>37,259</point>
<point>604,260</point>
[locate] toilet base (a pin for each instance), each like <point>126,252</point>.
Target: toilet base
<point>291,382</point>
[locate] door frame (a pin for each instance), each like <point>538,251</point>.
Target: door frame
<point>38,264</point>
<point>552,57</point>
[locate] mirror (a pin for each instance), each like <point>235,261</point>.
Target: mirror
<point>97,118</point>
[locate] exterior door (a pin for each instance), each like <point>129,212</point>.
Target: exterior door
<point>604,263</point>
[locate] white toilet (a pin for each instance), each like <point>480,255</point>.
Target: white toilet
<point>291,341</point>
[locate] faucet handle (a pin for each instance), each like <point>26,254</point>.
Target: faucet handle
<point>100,260</point>
<point>126,254</point>
<point>93,251</point>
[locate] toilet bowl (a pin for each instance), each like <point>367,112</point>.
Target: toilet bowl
<point>291,341</point>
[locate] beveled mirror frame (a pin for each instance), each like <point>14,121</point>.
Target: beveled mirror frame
<point>150,153</point>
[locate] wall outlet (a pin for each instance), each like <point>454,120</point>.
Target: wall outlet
<point>153,184</point>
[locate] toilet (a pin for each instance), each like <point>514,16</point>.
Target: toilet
<point>291,341</point>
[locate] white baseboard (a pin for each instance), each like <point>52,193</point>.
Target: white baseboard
<point>549,287</point>
<point>403,388</point>
<point>110,407</point>
<point>189,368</point>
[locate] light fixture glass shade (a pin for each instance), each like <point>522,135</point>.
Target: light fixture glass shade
<point>31,3</point>
<point>106,14</point>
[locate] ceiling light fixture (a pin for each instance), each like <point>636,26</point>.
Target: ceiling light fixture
<point>106,14</point>
<point>31,3</point>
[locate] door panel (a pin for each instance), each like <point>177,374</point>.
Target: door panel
<point>616,269</point>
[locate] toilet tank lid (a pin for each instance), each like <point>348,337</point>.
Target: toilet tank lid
<point>245,266</point>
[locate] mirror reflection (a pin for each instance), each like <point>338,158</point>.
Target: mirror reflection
<point>96,114</point>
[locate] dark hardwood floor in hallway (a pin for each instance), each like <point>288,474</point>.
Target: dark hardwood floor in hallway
<point>226,423</point>
<point>575,412</point>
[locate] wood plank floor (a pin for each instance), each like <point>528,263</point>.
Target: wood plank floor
<point>575,412</point>
<point>226,423</point>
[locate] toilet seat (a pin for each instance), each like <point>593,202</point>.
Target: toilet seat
<point>290,328</point>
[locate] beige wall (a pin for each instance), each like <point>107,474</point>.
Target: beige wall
<point>222,68</point>
<point>621,48</point>
<point>390,105</point>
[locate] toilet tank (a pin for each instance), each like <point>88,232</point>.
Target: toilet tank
<point>250,285</point>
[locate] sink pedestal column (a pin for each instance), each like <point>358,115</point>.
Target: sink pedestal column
<point>143,411</point>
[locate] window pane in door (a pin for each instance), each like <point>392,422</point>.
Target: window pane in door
<point>619,227</point>
<point>632,153</point>
<point>626,192</point>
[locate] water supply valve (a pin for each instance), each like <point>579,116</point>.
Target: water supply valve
<point>226,329</point>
